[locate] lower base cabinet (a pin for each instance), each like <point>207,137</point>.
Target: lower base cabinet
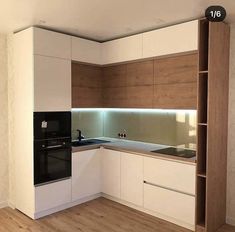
<point>52,195</point>
<point>86,174</point>
<point>172,205</point>
<point>132,178</point>
<point>111,173</point>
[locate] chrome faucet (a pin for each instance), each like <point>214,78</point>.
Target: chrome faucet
<point>80,136</point>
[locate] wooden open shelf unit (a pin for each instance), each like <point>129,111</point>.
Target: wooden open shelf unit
<point>212,114</point>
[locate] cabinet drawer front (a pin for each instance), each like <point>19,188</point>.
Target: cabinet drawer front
<point>52,195</point>
<point>170,174</point>
<point>177,206</point>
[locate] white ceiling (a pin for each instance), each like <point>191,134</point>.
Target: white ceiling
<point>103,19</point>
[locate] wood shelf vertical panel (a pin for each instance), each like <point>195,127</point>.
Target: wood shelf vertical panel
<point>218,86</point>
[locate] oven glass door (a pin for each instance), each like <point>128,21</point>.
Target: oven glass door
<point>49,125</point>
<point>52,164</point>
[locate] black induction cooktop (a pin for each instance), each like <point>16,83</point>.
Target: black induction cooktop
<point>180,152</point>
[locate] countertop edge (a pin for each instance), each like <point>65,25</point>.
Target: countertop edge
<point>191,161</point>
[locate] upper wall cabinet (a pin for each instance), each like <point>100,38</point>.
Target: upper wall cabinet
<point>86,51</point>
<point>49,43</point>
<point>120,50</point>
<point>174,39</point>
<point>52,84</point>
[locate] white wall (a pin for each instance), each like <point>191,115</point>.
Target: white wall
<point>3,122</point>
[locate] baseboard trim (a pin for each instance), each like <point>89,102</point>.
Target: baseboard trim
<point>158,215</point>
<point>230,221</point>
<point>3,204</point>
<point>65,206</point>
<point>11,205</point>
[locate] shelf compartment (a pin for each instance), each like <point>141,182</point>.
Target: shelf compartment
<point>202,98</point>
<point>203,44</point>
<point>201,149</point>
<point>203,175</point>
<point>201,203</point>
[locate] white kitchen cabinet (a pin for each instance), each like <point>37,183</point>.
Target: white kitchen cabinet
<point>86,178</point>
<point>111,173</point>
<point>50,43</point>
<point>52,84</point>
<point>170,205</point>
<point>173,39</point>
<point>52,195</point>
<point>171,174</point>
<point>84,50</point>
<point>120,50</point>
<point>132,178</point>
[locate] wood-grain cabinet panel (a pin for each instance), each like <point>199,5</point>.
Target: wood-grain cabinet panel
<point>139,96</point>
<point>114,76</point>
<point>86,97</point>
<point>114,97</point>
<point>175,96</point>
<point>139,73</point>
<point>178,69</point>
<point>86,75</point>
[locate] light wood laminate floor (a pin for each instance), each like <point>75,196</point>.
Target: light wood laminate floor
<point>100,215</point>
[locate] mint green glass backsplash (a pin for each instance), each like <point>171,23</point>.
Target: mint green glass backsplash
<point>176,128</point>
<point>89,122</point>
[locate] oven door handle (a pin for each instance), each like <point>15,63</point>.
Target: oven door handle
<point>55,146</point>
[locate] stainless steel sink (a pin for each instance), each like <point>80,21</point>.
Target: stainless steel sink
<point>88,142</point>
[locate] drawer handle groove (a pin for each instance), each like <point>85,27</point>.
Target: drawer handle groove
<point>167,188</point>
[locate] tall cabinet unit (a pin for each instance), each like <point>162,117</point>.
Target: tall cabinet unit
<point>42,82</point>
<point>213,80</point>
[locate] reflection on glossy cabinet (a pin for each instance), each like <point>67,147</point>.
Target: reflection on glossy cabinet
<point>132,178</point>
<point>86,178</point>
<point>111,172</point>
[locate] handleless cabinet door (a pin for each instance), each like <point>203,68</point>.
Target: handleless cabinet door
<point>110,172</point>
<point>52,195</point>
<point>86,51</point>
<point>124,49</point>
<point>50,43</point>
<point>85,174</point>
<point>52,84</point>
<point>169,40</point>
<point>132,178</point>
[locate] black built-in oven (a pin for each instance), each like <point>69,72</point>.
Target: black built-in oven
<point>49,125</point>
<point>52,146</point>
